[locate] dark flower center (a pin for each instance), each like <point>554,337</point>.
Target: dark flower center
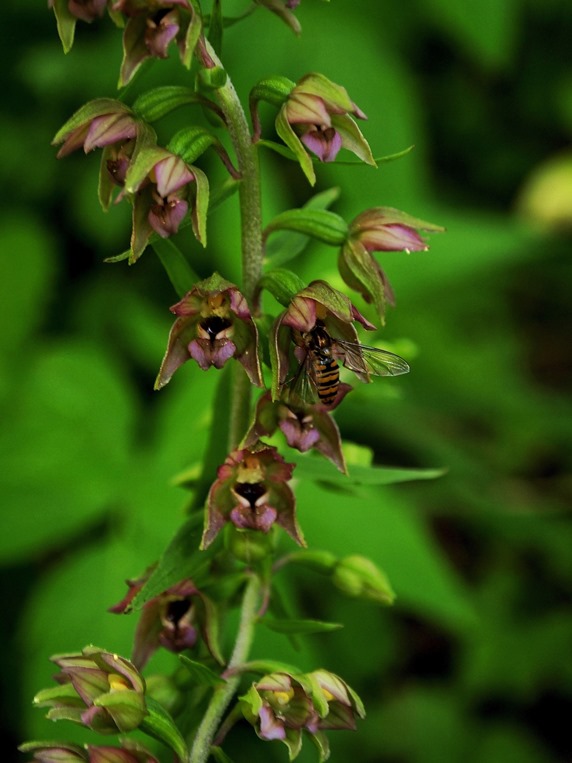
<point>252,491</point>
<point>177,609</point>
<point>213,325</point>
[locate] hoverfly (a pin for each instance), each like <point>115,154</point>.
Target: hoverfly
<point>318,376</point>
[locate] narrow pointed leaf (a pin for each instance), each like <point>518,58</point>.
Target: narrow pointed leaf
<point>294,143</point>
<point>220,755</point>
<point>319,470</point>
<point>301,627</point>
<point>216,27</point>
<point>66,22</point>
<point>176,265</point>
<point>159,724</point>
<point>201,674</point>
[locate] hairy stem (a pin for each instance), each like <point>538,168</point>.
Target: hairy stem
<point>223,694</point>
<point>250,220</point>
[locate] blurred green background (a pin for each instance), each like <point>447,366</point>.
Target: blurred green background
<point>473,663</point>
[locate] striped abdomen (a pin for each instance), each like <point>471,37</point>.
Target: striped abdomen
<point>326,374</point>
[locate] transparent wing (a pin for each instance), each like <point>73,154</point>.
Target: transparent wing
<point>363,359</point>
<point>301,388</point>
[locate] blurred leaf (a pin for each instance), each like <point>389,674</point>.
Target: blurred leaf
<point>301,627</point>
<point>380,525</point>
<point>176,265</point>
<point>465,23</point>
<point>317,469</point>
<point>62,460</point>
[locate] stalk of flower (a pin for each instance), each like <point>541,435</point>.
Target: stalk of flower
<point>213,325</point>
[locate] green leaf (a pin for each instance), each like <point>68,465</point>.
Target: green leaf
<point>278,148</point>
<point>320,224</point>
<point>317,469</point>
<point>304,627</point>
<point>160,101</point>
<point>182,559</point>
<point>201,674</point>
<point>159,724</point>
<point>285,245</point>
<point>176,265</point>
<point>282,284</point>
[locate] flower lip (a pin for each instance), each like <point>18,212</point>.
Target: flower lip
<point>213,325</point>
<point>251,491</point>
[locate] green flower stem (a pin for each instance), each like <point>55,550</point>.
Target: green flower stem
<point>251,226</point>
<point>223,695</point>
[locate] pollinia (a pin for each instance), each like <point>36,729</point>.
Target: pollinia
<point>282,375</point>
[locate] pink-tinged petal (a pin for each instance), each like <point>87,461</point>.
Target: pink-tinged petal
<point>357,316</point>
<point>165,217</point>
<point>393,238</point>
<point>306,109</point>
<point>171,174</point>
<point>299,430</point>
<point>207,354</point>
<point>238,304</point>
<point>247,518</point>
<point>108,129</point>
<point>325,143</point>
<point>74,141</point>
<point>301,314</point>
<point>270,727</point>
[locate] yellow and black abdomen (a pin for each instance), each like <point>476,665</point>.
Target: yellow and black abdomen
<point>326,372</point>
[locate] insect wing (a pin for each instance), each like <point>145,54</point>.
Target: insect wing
<point>366,360</point>
<point>301,389</point>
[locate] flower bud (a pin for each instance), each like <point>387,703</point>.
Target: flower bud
<point>360,578</point>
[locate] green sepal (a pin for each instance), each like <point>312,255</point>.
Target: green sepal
<point>201,674</point>
<point>86,113</point>
<point>199,212</point>
<point>319,85</point>
<point>361,273</point>
<point>282,284</point>
<point>285,131</point>
<point>313,689</point>
<point>160,101</point>
<point>191,142</point>
<point>320,740</point>
<point>66,22</point>
<point>194,31</point>
<point>212,79</point>
<point>216,26</point>
<point>138,170</point>
<point>277,7</point>
<point>320,224</point>
<point>274,90</point>
<point>126,708</point>
<point>56,694</point>
<point>301,627</point>
<point>159,724</point>
<point>331,298</point>
<point>146,136</point>
<point>353,138</point>
<point>74,752</point>
<point>176,265</point>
